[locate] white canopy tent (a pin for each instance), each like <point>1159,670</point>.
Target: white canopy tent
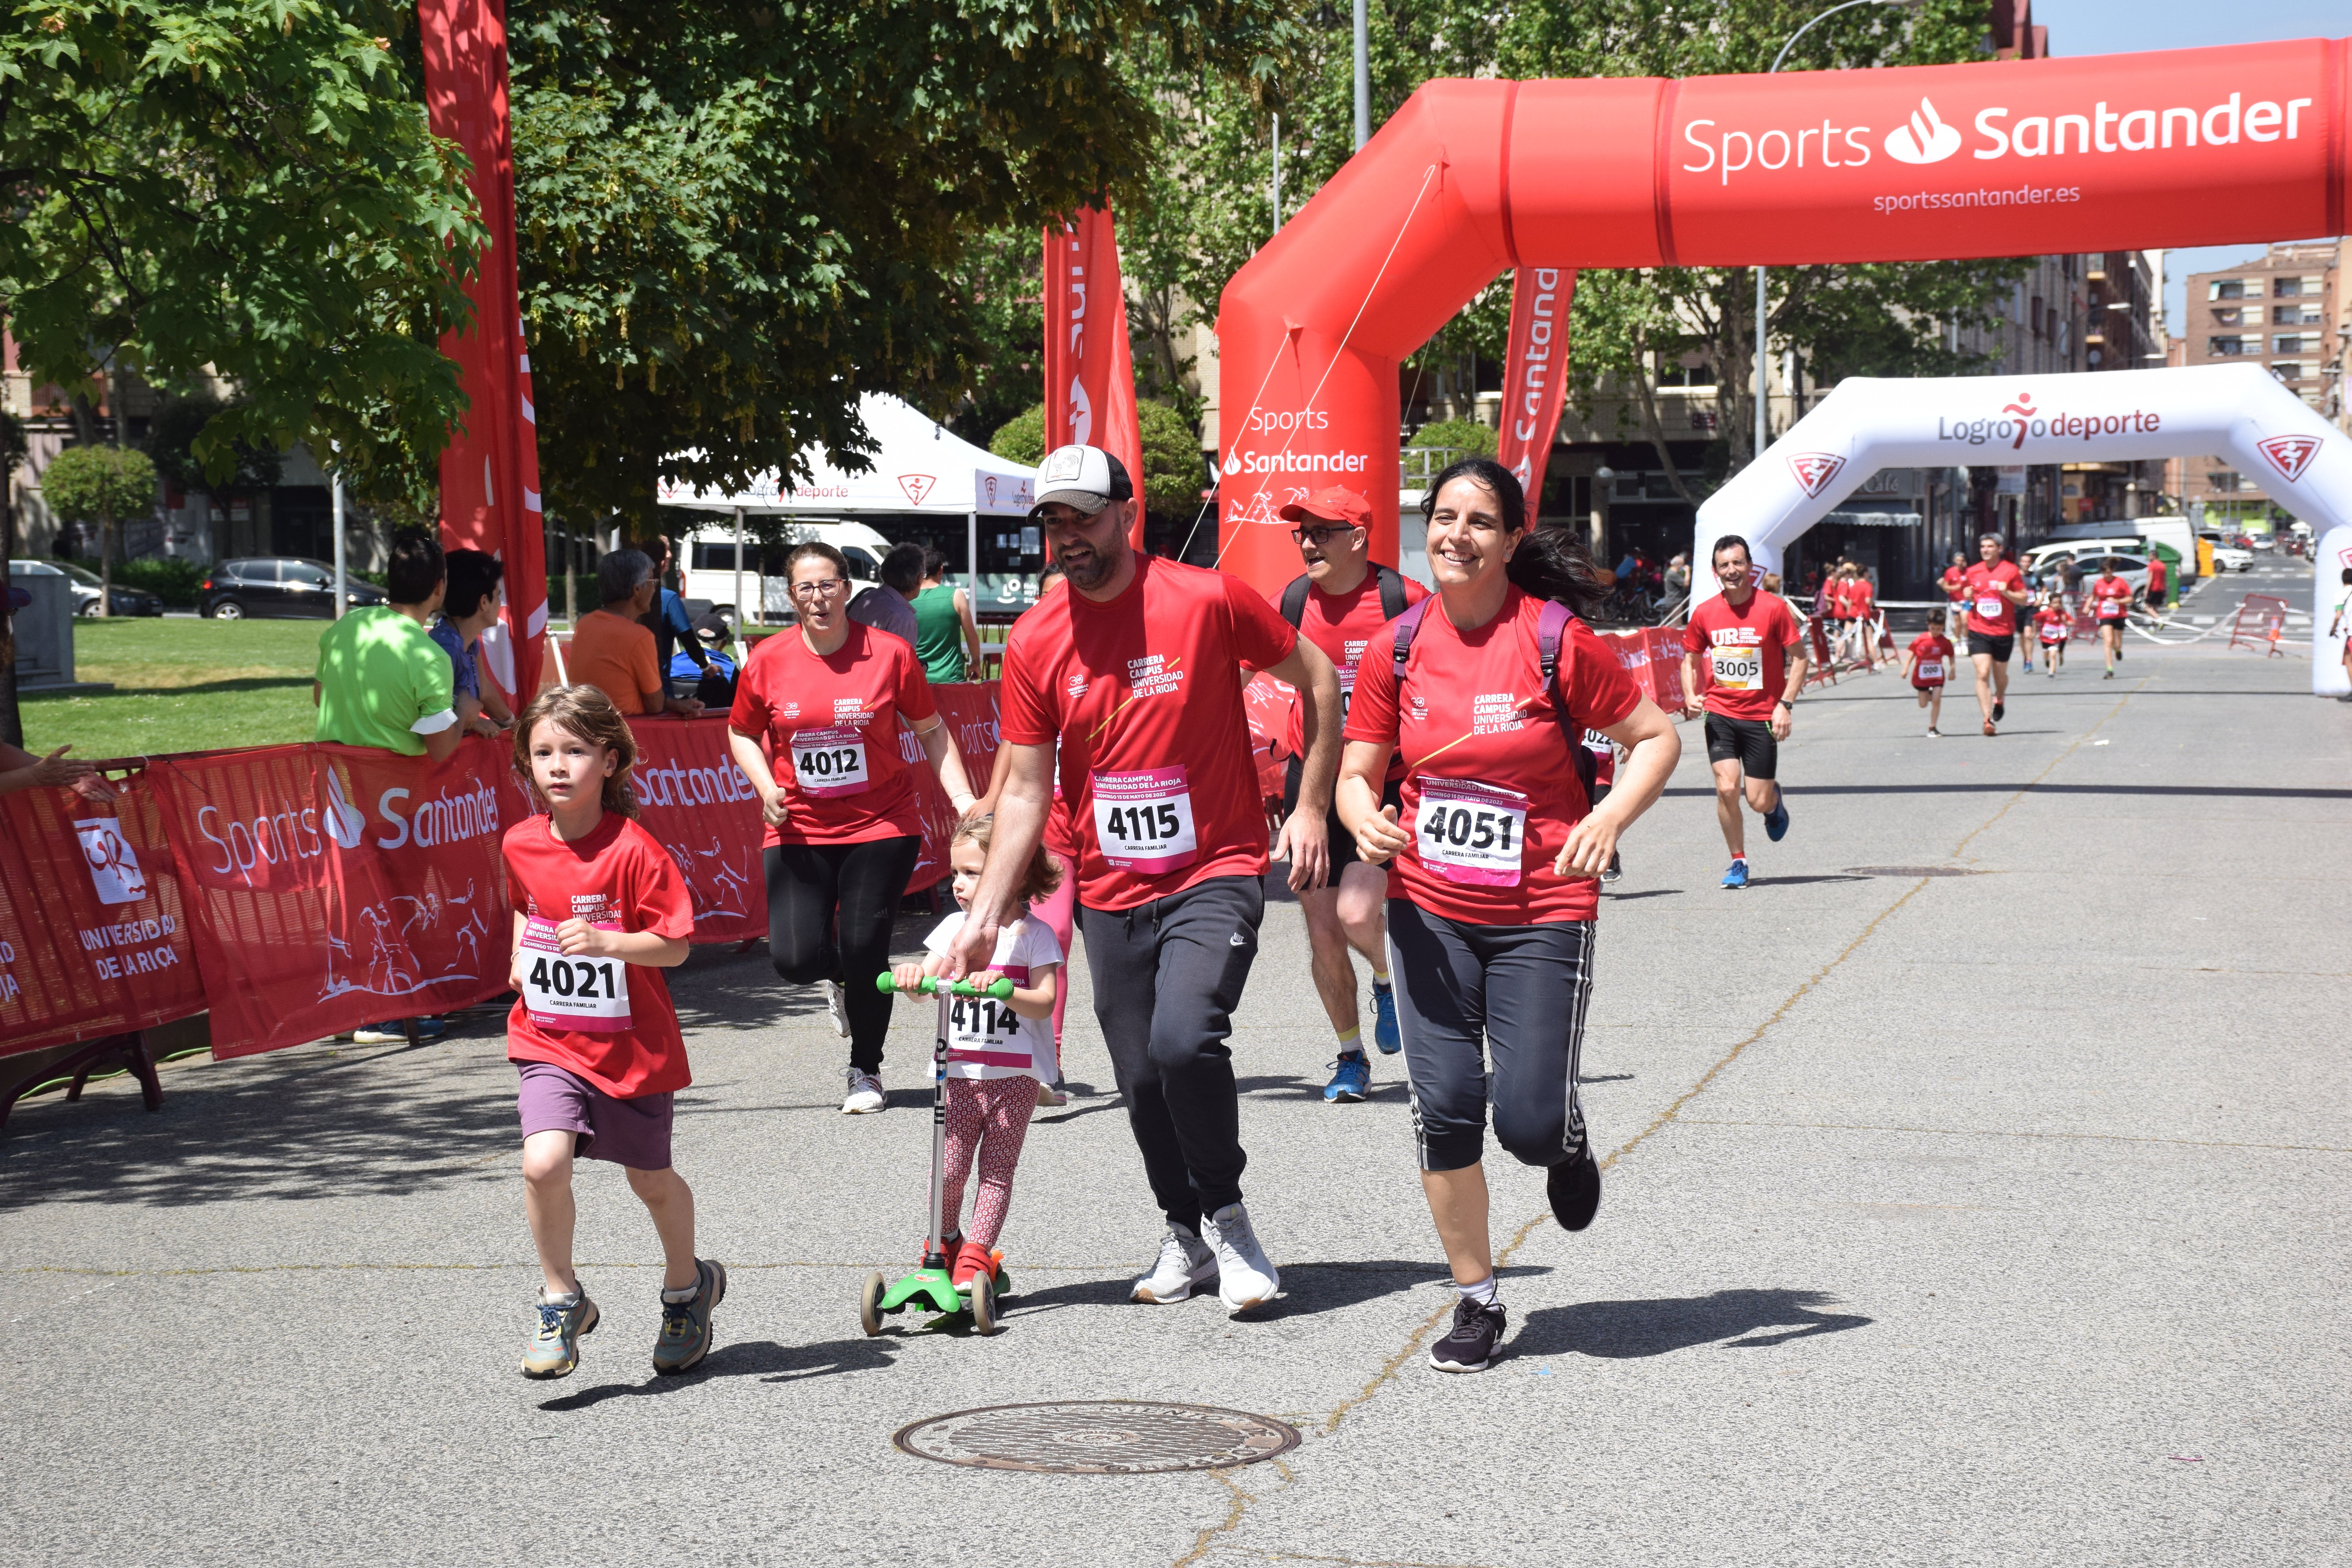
<point>921,468</point>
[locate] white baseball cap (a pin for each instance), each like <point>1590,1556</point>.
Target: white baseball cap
<point>1085,478</point>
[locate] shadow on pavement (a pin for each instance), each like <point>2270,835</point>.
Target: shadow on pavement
<point>1311,1288</point>
<point>1620,1330</point>
<point>763,1359</point>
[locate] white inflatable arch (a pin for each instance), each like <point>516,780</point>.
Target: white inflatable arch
<point>2237,412</point>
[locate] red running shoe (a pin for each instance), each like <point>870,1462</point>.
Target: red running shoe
<point>972,1258</point>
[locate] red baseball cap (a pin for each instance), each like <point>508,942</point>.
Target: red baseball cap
<point>1334,505</point>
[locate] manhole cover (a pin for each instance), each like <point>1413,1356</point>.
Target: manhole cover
<point>1910,871</point>
<point>1098,1438</point>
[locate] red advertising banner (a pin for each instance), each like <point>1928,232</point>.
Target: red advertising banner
<point>1535,374</point>
<point>701,806</point>
<point>1090,369</point>
<point>489,470</point>
<point>93,940</point>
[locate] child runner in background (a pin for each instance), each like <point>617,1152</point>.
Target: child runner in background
<point>998,1052</point>
<point>2055,625</point>
<point>1928,664</point>
<point>2110,597</point>
<point>600,910</point>
<point>1604,760</point>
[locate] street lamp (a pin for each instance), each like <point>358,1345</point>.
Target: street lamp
<point>1761,425</point>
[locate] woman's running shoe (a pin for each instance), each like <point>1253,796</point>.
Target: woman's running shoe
<point>686,1325</point>
<point>1351,1079</point>
<point>1469,1346</point>
<point>864,1095</point>
<point>553,1349</point>
<point>1574,1188</point>
<point>1385,1021</point>
<point>1737,876</point>
<point>836,1007</point>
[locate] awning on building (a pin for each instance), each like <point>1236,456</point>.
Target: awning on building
<point>1873,519</point>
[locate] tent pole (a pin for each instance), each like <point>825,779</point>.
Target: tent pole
<point>738,574</point>
<point>972,562</point>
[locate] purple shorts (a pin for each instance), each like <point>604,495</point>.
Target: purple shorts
<point>631,1132</point>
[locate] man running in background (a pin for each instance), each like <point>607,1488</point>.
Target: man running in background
<point>1955,583</point>
<point>1339,605</point>
<point>1749,641</point>
<point>1994,589</point>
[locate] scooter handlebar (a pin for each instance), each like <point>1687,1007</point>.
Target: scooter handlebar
<point>1002,991</point>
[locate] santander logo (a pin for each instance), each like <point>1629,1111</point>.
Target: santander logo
<point>2290,455</point>
<point>1926,140</point>
<point>1814,470</point>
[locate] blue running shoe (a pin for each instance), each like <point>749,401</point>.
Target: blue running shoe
<point>1737,876</point>
<point>1384,1024</point>
<point>1776,821</point>
<point>1351,1079</point>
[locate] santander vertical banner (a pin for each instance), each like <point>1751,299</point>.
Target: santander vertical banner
<point>1089,370</point>
<point>1535,374</point>
<point>490,471</point>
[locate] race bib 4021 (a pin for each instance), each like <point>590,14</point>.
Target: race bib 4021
<point>576,994</point>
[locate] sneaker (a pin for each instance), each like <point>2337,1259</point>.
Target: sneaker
<point>1737,876</point>
<point>686,1325</point>
<point>394,1035</point>
<point>1776,821</point>
<point>970,1259</point>
<point>1185,1262</point>
<point>1934,734</point>
<point>1999,712</point>
<point>1385,1021</point>
<point>1469,1346</point>
<point>1988,729</point>
<point>1050,1095</point>
<point>1351,1079</point>
<point>553,1349</point>
<point>1614,870</point>
<point>865,1095</point>
<point>836,1007</point>
<point>1574,1188</point>
<point>1246,1276</point>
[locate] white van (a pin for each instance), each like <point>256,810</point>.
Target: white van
<point>710,565</point>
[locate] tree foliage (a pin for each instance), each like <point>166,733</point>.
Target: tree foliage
<point>103,485</point>
<point>248,185</point>
<point>1172,479</point>
<point>172,441</point>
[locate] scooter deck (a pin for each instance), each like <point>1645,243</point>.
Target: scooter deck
<point>935,1285</point>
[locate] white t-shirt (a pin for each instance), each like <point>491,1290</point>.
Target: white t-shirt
<point>987,1038</point>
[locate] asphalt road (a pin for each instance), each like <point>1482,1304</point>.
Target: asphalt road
<point>1990,1218</point>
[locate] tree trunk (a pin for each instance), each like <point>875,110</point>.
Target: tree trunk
<point>106,562</point>
<point>12,721</point>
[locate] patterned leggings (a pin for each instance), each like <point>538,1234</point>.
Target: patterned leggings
<point>990,1116</point>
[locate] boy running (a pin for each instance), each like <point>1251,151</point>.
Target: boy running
<point>2055,625</point>
<point>599,911</point>
<point>1927,665</point>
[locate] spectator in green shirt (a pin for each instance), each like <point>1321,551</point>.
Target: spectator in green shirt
<point>382,680</point>
<point>946,640</point>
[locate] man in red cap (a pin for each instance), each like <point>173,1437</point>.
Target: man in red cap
<point>1339,605</point>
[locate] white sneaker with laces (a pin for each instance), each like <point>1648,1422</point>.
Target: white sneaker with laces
<point>865,1094</point>
<point>835,1008</point>
<point>1246,1276</point>
<point>1185,1261</point>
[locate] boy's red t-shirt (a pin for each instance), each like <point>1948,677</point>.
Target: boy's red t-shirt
<point>1927,648</point>
<point>619,877</point>
<point>2056,624</point>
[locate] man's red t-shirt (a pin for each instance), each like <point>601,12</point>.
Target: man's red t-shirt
<point>2056,624</point>
<point>620,878</point>
<point>1342,625</point>
<point>2110,597</point>
<point>1990,614</point>
<point>2157,578</point>
<point>1931,660</point>
<point>1746,650</point>
<point>1144,694</point>
<point>1490,789</point>
<point>831,729</point>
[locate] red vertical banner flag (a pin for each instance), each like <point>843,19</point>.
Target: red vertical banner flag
<point>1535,374</point>
<point>1090,369</point>
<point>490,471</point>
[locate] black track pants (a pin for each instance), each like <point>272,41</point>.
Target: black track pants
<point>809,885</point>
<point>1464,992</point>
<point>1167,977</point>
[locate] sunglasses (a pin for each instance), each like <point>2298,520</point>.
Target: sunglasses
<point>1320,537</point>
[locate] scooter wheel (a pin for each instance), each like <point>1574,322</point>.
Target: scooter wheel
<point>869,1303</point>
<point>983,1305</point>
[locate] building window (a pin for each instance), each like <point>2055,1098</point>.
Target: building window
<point>2287,344</point>
<point>2295,316</point>
<point>2228,289</point>
<point>2036,317</point>
<point>2222,348</point>
<point>2295,369</point>
<point>1685,373</point>
<point>2225,318</point>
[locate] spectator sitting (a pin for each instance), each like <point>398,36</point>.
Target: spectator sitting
<point>471,609</point>
<point>613,651</point>
<point>667,618</point>
<point>890,606</point>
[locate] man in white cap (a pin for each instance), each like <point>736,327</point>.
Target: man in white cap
<point>1131,675</point>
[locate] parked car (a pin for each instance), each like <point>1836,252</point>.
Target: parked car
<point>279,586</point>
<point>119,600</point>
<point>2230,558</point>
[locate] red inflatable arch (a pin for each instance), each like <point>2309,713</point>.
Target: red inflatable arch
<point>1470,178</point>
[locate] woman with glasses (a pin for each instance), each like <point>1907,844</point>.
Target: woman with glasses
<point>843,825</point>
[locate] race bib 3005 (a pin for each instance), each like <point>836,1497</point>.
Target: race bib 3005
<point>1740,668</point>
<point>576,994</point>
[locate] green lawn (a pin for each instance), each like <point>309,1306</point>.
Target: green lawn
<point>181,685</point>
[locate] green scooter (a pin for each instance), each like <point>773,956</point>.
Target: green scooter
<point>932,1282</point>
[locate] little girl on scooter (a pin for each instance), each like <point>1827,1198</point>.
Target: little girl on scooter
<point>998,1052</point>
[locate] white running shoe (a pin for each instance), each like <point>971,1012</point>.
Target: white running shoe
<point>865,1094</point>
<point>1185,1261</point>
<point>1246,1276</point>
<point>836,1008</point>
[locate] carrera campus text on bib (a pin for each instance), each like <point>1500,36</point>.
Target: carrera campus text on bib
<point>577,994</point>
<point>1471,832</point>
<point>830,762</point>
<point>1143,821</point>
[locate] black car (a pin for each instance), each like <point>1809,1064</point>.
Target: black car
<point>119,600</point>
<point>279,586</point>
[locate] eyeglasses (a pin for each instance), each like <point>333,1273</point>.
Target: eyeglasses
<point>1320,537</point>
<point>823,588</point>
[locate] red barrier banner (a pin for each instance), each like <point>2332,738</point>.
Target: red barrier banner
<point>702,808</point>
<point>93,939</point>
<point>335,885</point>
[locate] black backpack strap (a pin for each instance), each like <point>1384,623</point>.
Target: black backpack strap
<point>1551,633</point>
<point>1406,624</point>
<point>1293,600</point>
<point>1392,602</point>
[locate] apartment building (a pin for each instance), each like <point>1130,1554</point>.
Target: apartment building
<point>2286,311</point>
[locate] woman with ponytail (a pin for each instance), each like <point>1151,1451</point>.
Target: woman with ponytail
<point>1486,689</point>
